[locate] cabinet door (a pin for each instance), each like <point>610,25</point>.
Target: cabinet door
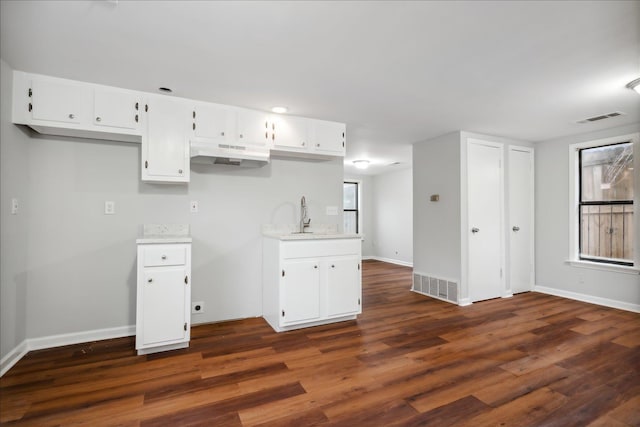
<point>165,144</point>
<point>60,102</point>
<point>213,122</point>
<point>329,137</point>
<point>253,127</point>
<point>163,295</point>
<point>343,286</point>
<point>290,132</point>
<point>116,108</point>
<point>300,297</point>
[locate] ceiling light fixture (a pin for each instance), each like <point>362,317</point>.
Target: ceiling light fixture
<point>634,85</point>
<point>280,110</point>
<point>361,164</point>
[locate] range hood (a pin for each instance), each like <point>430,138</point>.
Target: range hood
<point>226,154</point>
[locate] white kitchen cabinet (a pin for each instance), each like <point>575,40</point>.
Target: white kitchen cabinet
<point>213,123</point>
<point>163,297</point>
<point>253,127</point>
<point>308,282</point>
<point>58,101</point>
<point>115,108</point>
<point>165,144</point>
<point>328,137</point>
<point>290,133</point>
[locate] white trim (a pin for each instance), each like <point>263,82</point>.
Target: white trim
<point>624,269</point>
<point>574,244</point>
<point>463,302</point>
<point>389,260</point>
<point>63,339</point>
<point>13,357</point>
<point>622,305</point>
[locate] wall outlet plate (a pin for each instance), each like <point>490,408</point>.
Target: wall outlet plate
<point>197,307</point>
<point>109,207</point>
<point>194,206</point>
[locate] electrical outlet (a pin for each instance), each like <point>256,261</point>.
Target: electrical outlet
<point>109,207</point>
<point>197,307</point>
<point>14,206</point>
<point>194,206</point>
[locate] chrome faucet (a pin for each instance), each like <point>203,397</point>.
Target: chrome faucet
<point>304,221</point>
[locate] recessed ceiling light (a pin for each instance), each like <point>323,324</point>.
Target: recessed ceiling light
<point>635,85</point>
<point>280,110</point>
<point>165,89</point>
<point>361,164</point>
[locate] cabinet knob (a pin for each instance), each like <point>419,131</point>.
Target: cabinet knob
<point>163,257</point>
<point>150,280</point>
<point>221,133</point>
<point>516,228</point>
<point>475,230</point>
<point>333,266</point>
<point>315,266</point>
<point>241,136</point>
<point>303,143</point>
<point>317,145</point>
<point>98,119</point>
<point>72,116</point>
<point>180,171</point>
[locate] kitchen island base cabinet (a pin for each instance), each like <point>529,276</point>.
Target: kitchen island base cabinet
<point>163,297</point>
<point>311,282</point>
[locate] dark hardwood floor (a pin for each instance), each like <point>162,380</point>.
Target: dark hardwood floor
<point>531,360</point>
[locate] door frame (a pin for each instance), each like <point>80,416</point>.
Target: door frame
<point>531,151</point>
<point>464,218</point>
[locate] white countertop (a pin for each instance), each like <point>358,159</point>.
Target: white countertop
<point>310,236</point>
<point>164,233</point>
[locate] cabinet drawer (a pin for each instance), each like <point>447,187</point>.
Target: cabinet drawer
<point>158,255</point>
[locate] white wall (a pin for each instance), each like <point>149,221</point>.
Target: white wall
<point>552,227</point>
<point>436,225</point>
<point>14,169</point>
<point>393,222</point>
<point>367,213</point>
<point>79,272</point>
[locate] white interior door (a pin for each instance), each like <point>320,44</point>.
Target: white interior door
<point>485,207</point>
<point>521,219</point>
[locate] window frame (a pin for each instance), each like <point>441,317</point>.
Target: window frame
<point>358,185</point>
<point>575,199</point>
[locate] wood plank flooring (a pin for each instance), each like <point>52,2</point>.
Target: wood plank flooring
<point>531,360</point>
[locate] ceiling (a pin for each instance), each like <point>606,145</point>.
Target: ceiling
<point>396,72</point>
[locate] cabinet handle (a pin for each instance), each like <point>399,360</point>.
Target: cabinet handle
<point>303,143</point>
<point>163,257</point>
<point>186,280</point>
<point>72,116</point>
<point>317,145</point>
<point>241,136</point>
<point>137,105</point>
<point>150,280</point>
<point>266,125</point>
<point>98,119</point>
<point>221,133</point>
<point>516,228</point>
<point>136,118</point>
<point>475,230</point>
<point>266,135</point>
<point>180,171</point>
<point>273,136</point>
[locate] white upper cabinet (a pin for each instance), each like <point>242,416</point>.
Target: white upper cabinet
<point>165,146</point>
<point>328,137</point>
<point>55,101</point>
<point>253,127</point>
<point>290,133</point>
<point>116,108</point>
<point>213,123</point>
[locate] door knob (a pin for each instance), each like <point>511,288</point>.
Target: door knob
<point>475,230</point>
<point>516,228</point>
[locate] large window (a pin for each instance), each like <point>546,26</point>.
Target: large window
<point>605,203</point>
<point>351,207</point>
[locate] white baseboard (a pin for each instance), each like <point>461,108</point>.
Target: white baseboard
<point>59,340</point>
<point>464,302</point>
<point>622,305</point>
<point>13,357</point>
<point>389,260</point>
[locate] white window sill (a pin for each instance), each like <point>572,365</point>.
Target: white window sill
<point>603,267</point>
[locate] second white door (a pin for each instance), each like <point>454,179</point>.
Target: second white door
<point>485,207</point>
<point>520,219</point>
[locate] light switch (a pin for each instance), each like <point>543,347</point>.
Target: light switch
<point>14,206</point>
<point>109,207</point>
<point>194,206</point>
<point>332,210</point>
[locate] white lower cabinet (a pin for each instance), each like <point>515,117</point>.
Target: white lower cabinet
<point>163,297</point>
<point>311,282</point>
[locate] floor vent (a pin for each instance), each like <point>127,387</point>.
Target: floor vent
<point>601,117</point>
<point>442,289</point>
